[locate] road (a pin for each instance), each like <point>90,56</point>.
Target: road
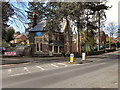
<point>101,73</point>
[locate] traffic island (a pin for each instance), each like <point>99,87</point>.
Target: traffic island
<point>78,62</point>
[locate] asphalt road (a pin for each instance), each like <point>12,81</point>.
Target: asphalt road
<point>101,73</point>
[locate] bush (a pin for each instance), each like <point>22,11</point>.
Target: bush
<point>96,52</point>
<point>20,40</point>
<point>4,44</point>
<point>13,45</point>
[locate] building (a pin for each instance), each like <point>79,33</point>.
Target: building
<point>44,42</point>
<point>102,37</point>
<point>19,37</point>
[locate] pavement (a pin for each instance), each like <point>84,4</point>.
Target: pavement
<point>21,60</point>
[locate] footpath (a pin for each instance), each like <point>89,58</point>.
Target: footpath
<point>19,60</point>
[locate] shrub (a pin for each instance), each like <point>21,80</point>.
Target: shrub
<point>4,44</point>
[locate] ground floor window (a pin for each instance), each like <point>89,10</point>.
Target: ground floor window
<point>60,49</point>
<point>40,46</point>
<point>37,46</point>
<point>56,49</point>
<point>50,48</point>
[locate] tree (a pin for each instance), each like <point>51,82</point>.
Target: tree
<point>90,41</point>
<point>18,32</point>
<point>112,30</point>
<point>12,13</point>
<point>119,32</point>
<point>54,13</point>
<point>19,40</point>
<point>39,9</point>
<point>99,8</point>
<point>9,34</point>
<point>7,11</point>
<point>80,13</point>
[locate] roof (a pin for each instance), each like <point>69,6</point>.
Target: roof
<point>56,43</point>
<point>39,27</point>
<point>19,36</point>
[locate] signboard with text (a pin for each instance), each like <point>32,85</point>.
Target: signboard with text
<point>10,53</point>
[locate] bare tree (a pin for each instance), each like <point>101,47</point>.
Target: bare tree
<point>112,31</point>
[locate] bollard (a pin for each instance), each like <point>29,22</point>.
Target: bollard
<point>83,56</point>
<point>71,57</point>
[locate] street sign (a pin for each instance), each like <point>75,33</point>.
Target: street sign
<point>10,53</point>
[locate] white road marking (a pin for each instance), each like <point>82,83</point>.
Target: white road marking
<point>17,74</point>
<point>9,71</point>
<point>79,64</point>
<point>102,63</point>
<point>87,63</point>
<point>26,69</point>
<point>54,65</point>
<point>40,67</point>
<point>62,64</point>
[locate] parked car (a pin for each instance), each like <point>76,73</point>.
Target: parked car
<point>2,50</point>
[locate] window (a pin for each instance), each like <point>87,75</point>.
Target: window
<point>55,49</point>
<point>37,46</point>
<point>40,46</point>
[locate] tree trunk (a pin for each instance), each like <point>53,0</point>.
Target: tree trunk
<point>99,31</point>
<point>110,41</point>
<point>69,38</point>
<point>79,36</point>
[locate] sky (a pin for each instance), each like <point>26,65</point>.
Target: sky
<point>112,15</point>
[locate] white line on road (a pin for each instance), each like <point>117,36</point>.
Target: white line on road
<point>9,71</point>
<point>102,63</point>
<point>87,63</point>
<point>17,74</point>
<point>40,67</point>
<point>62,64</point>
<point>26,69</point>
<point>54,65</point>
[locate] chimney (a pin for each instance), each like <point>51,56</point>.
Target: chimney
<point>34,19</point>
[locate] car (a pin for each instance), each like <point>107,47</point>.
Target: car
<point>2,50</point>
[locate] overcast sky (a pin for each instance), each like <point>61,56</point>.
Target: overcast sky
<point>112,13</point>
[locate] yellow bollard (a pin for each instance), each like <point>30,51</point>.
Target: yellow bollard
<point>71,57</point>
